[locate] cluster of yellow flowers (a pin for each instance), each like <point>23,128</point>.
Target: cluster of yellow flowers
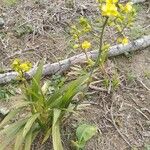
<point>85,45</point>
<point>123,40</point>
<point>109,8</point>
<point>20,66</point>
<point>120,15</point>
<point>78,31</point>
<point>114,14</point>
<point>112,8</point>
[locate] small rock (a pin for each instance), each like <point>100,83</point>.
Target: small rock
<point>2,22</point>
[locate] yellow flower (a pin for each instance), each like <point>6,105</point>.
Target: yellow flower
<point>111,1</point>
<point>128,7</point>
<point>86,45</point>
<point>25,66</point>
<point>15,64</point>
<point>125,41</point>
<point>109,10</point>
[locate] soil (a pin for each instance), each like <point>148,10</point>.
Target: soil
<point>122,114</point>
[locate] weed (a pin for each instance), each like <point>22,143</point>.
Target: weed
<point>130,77</point>
<point>115,81</point>
<point>147,74</point>
<point>84,133</point>
<point>22,30</point>
<point>10,2</point>
<point>6,92</point>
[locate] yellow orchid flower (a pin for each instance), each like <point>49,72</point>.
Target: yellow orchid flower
<point>109,10</point>
<point>86,45</point>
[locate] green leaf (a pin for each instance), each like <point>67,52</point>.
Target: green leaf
<point>12,128</point>
<point>22,104</point>
<point>47,135</point>
<point>9,117</point>
<point>28,141</point>
<point>63,97</point>
<point>57,145</point>
<point>33,91</point>
<point>29,124</point>
<point>11,132</point>
<point>84,132</point>
<point>19,139</point>
<point>31,135</point>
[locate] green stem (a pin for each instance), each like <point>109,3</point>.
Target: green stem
<point>96,63</point>
<point>100,46</point>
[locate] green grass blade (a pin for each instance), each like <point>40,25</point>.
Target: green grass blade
<point>29,124</point>
<point>57,145</point>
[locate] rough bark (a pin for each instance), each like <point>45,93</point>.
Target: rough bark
<point>65,64</point>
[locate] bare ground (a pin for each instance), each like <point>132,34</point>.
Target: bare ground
<point>123,115</point>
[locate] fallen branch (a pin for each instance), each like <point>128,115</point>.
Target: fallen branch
<point>65,64</point>
<point>137,1</point>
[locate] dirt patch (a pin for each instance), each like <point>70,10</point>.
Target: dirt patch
<point>122,115</point>
<point>35,29</point>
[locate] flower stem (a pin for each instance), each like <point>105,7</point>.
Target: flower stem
<point>100,46</point>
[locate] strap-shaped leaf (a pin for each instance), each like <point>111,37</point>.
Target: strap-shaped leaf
<point>12,128</point>
<point>29,124</point>
<point>9,117</point>
<point>31,136</point>
<point>47,135</point>
<point>28,141</point>
<point>10,132</point>
<point>62,97</point>
<point>19,140</point>
<point>33,91</point>
<point>57,145</point>
<point>22,104</point>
